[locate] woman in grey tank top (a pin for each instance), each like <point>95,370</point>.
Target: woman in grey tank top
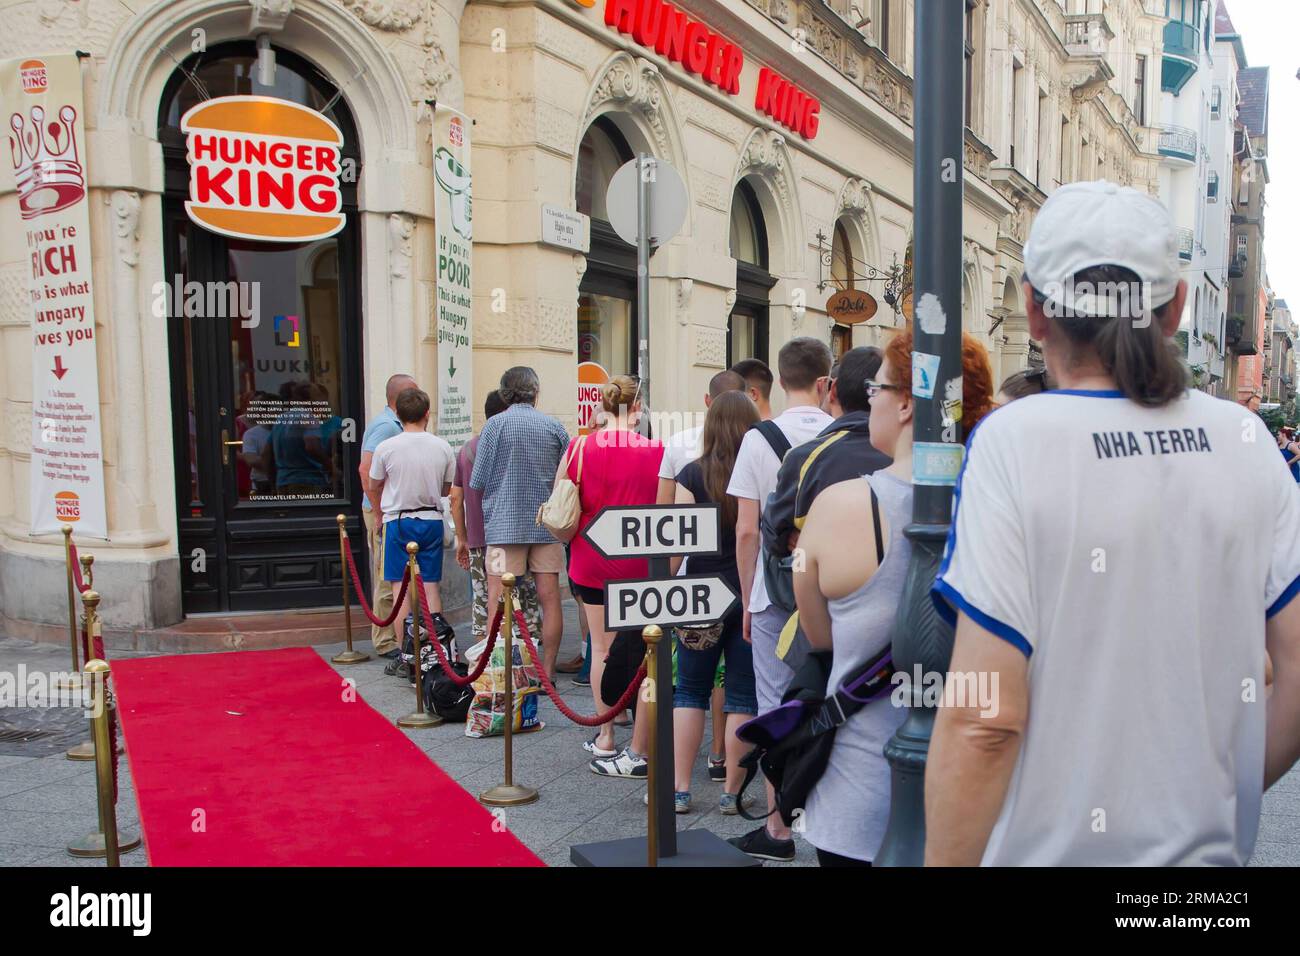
<point>847,604</point>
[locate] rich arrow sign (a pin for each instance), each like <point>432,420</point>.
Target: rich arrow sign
<point>59,370</point>
<point>689,599</point>
<point>654,531</point>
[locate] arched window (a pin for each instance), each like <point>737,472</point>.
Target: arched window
<point>843,276</point>
<point>607,294</point>
<point>747,326</point>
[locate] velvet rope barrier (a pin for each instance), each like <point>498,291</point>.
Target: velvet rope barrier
<point>82,586</point>
<point>558,701</point>
<point>481,666</point>
<point>361,594</point>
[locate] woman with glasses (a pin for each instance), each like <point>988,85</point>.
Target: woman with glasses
<point>855,564</point>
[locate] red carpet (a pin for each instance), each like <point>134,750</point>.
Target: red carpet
<point>255,759</point>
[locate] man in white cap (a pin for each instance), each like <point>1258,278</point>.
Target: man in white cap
<point>1123,551</point>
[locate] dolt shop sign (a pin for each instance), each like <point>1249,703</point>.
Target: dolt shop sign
<point>659,26</point>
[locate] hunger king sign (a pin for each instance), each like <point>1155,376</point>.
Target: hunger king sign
<point>263,168</point>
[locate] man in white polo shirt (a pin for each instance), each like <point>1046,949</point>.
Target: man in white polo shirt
<point>801,364</point>
<point>1123,552</point>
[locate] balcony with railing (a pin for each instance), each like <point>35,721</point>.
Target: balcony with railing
<point>1181,53</point>
<point>1236,267</point>
<point>1177,144</point>
<point>1186,242</point>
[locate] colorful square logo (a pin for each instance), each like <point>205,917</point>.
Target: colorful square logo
<point>286,330</point>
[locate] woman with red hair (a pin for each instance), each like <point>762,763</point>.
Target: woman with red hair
<point>855,565</point>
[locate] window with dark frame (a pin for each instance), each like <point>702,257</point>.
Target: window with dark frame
<point>1140,91</point>
<point>970,63</point>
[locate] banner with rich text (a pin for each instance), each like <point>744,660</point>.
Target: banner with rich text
<point>42,107</point>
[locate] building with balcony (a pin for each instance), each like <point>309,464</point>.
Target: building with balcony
<point>1193,141</point>
<point>1280,362</point>
<point>1248,291</point>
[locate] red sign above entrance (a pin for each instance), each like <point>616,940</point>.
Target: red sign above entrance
<point>658,25</point>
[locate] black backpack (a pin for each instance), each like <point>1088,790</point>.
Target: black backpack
<point>446,698</point>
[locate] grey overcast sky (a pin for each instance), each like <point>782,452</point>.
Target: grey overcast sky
<point>1269,29</point>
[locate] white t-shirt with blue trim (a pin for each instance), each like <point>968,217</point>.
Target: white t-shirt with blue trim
<point>1133,554</point>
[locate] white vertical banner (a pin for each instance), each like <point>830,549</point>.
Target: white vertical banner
<point>42,110</point>
<point>454,245</point>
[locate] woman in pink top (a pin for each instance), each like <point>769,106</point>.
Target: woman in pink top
<point>612,466</point>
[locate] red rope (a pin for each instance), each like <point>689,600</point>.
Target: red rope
<point>596,720</point>
<point>482,664</point>
<point>361,594</point>
<point>76,568</point>
<point>112,737</point>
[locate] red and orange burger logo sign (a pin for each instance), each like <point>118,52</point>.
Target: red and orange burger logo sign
<point>33,76</point>
<point>262,168</point>
<point>67,506</point>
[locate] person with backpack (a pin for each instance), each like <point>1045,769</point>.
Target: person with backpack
<point>700,650</point>
<point>800,364</point>
<point>1093,569</point>
<point>855,566</point>
<point>842,450</point>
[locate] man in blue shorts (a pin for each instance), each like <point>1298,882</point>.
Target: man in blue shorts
<point>412,471</point>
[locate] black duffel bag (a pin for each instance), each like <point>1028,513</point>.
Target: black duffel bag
<point>446,698</point>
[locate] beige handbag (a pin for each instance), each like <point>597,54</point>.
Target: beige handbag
<point>561,513</point>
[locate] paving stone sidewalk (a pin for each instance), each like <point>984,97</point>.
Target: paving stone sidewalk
<point>48,801</point>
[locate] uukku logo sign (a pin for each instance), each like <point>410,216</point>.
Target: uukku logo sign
<point>263,168</point>
<point>43,109</point>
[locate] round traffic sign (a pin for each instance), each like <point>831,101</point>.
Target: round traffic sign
<point>667,201</point>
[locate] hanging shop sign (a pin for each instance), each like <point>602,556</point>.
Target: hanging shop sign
<point>659,26</point>
<point>43,111</point>
<point>263,168</point>
<point>453,222</point>
<point>851,306</point>
<point>591,378</point>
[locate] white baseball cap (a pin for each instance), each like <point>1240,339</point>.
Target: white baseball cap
<point>1099,223</point>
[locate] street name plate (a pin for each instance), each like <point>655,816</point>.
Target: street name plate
<point>655,531</point>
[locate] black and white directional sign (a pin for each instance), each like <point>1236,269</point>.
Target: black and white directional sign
<point>654,531</point>
<point>690,599</point>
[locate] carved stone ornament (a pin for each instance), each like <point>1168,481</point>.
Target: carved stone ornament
<point>684,289</point>
<point>579,265</point>
<point>855,196</point>
<point>634,84</point>
<point>435,72</point>
<point>268,16</point>
<point>392,15</point>
<point>970,252</point>
<point>400,230</point>
<point>126,226</point>
<point>765,153</point>
<point>729,299</point>
<point>781,11</point>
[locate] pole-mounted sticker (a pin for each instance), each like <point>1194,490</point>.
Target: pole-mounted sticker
<point>925,370</point>
<point>936,463</point>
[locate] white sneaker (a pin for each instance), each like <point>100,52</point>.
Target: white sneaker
<point>591,748</point>
<point>625,764</point>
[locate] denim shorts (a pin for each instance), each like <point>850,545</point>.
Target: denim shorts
<point>696,671</point>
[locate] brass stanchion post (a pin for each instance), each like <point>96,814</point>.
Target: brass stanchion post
<point>97,844</point>
<point>86,749</point>
<point>509,793</point>
<point>419,718</point>
<point>73,681</point>
<point>349,656</point>
<point>652,634</point>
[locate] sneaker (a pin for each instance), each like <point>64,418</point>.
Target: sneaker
<point>760,845</point>
<point>681,800</point>
<point>591,748</point>
<point>398,668</point>
<point>729,806</point>
<point>718,769</point>
<point>582,680</point>
<point>625,764</point>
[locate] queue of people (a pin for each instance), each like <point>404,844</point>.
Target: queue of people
<point>1145,667</point>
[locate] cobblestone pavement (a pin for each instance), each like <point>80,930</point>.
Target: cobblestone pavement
<point>48,801</point>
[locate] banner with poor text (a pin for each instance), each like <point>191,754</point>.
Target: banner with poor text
<point>42,108</point>
<point>454,244</point>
